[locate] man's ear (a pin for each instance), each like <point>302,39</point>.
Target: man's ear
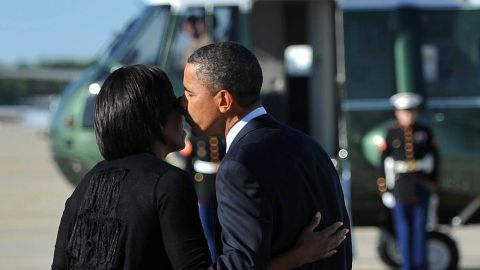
<point>225,101</point>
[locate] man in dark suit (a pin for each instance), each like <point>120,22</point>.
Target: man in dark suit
<point>273,178</point>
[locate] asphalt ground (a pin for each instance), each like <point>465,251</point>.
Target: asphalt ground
<point>33,193</point>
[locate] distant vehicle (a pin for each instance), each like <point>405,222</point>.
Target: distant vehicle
<point>335,91</point>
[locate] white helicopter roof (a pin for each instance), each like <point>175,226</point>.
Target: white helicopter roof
<point>180,5</point>
<point>245,5</point>
<point>389,4</point>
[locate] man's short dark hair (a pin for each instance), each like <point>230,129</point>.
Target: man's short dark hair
<point>230,66</point>
<point>130,109</point>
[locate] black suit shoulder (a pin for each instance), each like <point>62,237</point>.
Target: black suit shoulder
<point>269,136</point>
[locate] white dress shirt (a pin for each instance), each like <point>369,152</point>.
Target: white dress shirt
<point>233,132</point>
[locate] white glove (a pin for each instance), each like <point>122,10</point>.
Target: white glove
<point>388,199</point>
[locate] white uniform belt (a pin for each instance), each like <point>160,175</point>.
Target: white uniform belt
<point>393,167</point>
<point>424,165</point>
<point>202,166</point>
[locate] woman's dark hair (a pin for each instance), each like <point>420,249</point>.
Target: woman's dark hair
<point>131,107</point>
<point>230,66</point>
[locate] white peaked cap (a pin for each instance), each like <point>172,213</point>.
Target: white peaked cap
<point>405,101</point>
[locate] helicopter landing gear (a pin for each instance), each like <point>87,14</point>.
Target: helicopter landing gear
<point>442,251</point>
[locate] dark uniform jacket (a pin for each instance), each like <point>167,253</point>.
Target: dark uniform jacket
<point>270,184</point>
<point>209,150</point>
<point>133,213</point>
<point>411,145</point>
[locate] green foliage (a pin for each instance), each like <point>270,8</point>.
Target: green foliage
<point>67,64</point>
<point>13,90</point>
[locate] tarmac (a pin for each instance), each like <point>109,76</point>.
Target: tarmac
<point>33,193</point>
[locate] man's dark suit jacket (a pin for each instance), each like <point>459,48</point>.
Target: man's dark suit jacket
<point>270,184</point>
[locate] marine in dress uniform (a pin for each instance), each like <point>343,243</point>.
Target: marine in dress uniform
<point>408,178</point>
<point>202,162</point>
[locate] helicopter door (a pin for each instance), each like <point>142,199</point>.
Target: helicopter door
<point>196,28</point>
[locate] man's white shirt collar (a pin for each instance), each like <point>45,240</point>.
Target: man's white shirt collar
<point>233,132</point>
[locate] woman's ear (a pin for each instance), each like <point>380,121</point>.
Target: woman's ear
<point>225,101</point>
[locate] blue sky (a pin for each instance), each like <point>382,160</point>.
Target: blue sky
<point>33,30</point>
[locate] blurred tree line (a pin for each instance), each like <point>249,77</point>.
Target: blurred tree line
<point>14,90</point>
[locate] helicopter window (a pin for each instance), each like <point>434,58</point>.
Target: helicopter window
<point>226,24</point>
<point>191,34</point>
<point>146,46</point>
<point>119,40</point>
<point>194,32</point>
<point>140,40</point>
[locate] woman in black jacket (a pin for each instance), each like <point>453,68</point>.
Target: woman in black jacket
<point>133,210</point>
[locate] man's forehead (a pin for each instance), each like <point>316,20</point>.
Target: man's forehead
<point>190,73</point>
<point>192,81</point>
<point>189,67</point>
